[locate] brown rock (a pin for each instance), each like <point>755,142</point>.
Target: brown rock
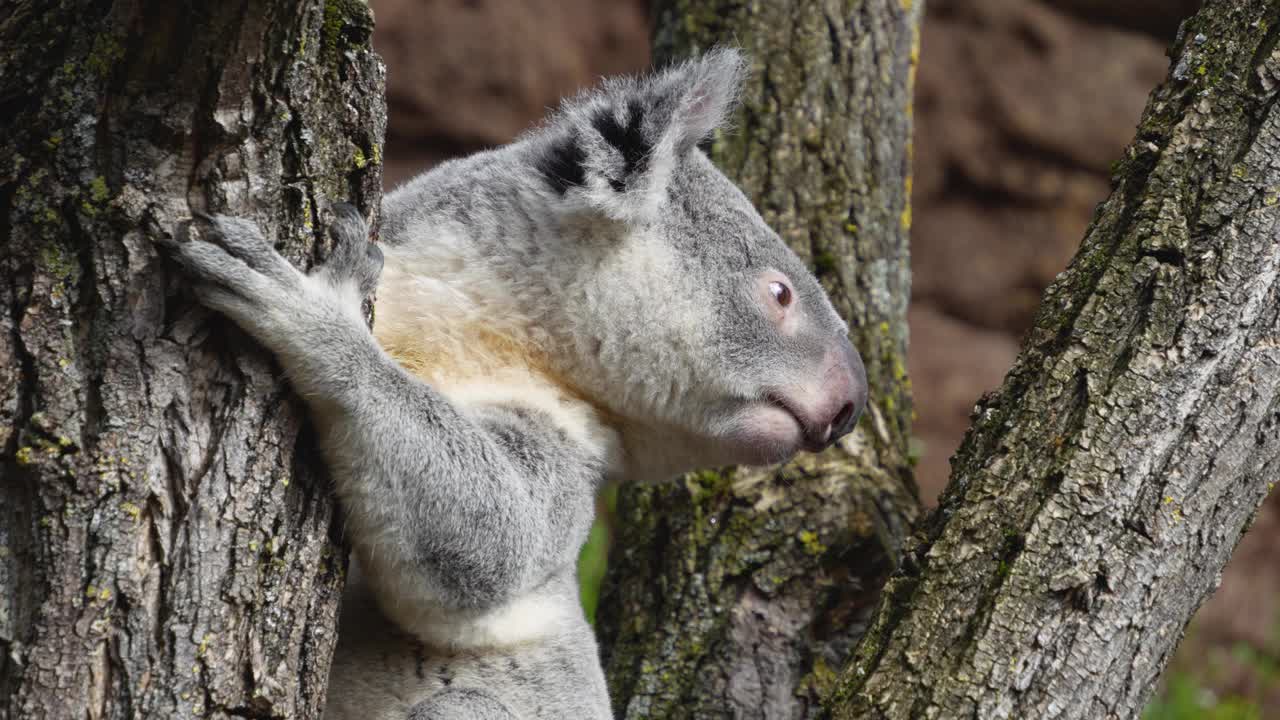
<point>466,74</point>
<point>1155,17</point>
<point>951,365</point>
<point>1020,111</point>
<point>987,264</point>
<point>1015,81</point>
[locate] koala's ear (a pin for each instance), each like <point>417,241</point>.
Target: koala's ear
<point>694,98</point>
<point>614,148</point>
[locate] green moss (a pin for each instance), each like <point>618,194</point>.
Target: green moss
<point>98,189</point>
<point>825,262</point>
<point>98,196</point>
<point>346,23</point>
<point>333,22</point>
<point>106,52</point>
<point>705,485</point>
<point>359,160</point>
<point>700,16</point>
<point>821,680</point>
<point>57,262</point>
<point>47,216</point>
<point>812,545</point>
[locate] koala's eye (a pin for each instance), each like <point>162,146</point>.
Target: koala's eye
<point>780,292</point>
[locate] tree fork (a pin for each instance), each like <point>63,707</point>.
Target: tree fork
<point>740,593</point>
<point>166,537</point>
<point>1103,487</point>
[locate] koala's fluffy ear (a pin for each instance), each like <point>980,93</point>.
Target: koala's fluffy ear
<point>614,148</point>
<point>692,99</point>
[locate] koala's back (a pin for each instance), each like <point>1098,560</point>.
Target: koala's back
<point>380,672</point>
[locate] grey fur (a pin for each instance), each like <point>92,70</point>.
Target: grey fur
<point>627,272</point>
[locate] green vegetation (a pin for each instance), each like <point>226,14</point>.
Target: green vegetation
<point>1197,686</point>
<point>594,558</point>
<point>591,566</point>
<point>1185,698</point>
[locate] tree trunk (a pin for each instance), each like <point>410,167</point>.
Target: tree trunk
<point>741,593</point>
<point>1101,490</point>
<point>166,538</point>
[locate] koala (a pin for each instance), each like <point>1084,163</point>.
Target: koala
<point>594,302</point>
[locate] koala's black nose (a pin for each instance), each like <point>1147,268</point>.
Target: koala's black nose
<point>847,417</point>
<point>844,420</point>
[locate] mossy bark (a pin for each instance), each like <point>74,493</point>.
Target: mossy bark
<point>740,593</point>
<point>1102,488</point>
<point>166,533</point>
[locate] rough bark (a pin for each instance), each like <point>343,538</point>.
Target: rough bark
<point>1101,490</point>
<point>740,593</point>
<point>166,535</point>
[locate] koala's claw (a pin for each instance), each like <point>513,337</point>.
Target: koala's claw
<point>233,268</point>
<point>353,256</point>
<point>243,240</point>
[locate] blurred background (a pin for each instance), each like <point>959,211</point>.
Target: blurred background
<point>1021,107</point>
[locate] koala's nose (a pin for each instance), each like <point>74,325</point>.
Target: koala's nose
<point>848,383</point>
<point>844,421</point>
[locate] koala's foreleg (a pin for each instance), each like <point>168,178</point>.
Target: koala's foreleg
<point>463,510</point>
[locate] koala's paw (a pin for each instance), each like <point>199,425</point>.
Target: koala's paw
<point>353,258</point>
<point>233,268</point>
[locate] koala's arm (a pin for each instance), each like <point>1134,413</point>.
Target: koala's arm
<point>467,510</point>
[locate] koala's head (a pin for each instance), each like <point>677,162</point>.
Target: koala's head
<point>685,317</point>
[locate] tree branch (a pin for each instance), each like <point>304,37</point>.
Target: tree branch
<point>1101,490</point>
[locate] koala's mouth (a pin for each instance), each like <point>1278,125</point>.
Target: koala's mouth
<point>813,438</point>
